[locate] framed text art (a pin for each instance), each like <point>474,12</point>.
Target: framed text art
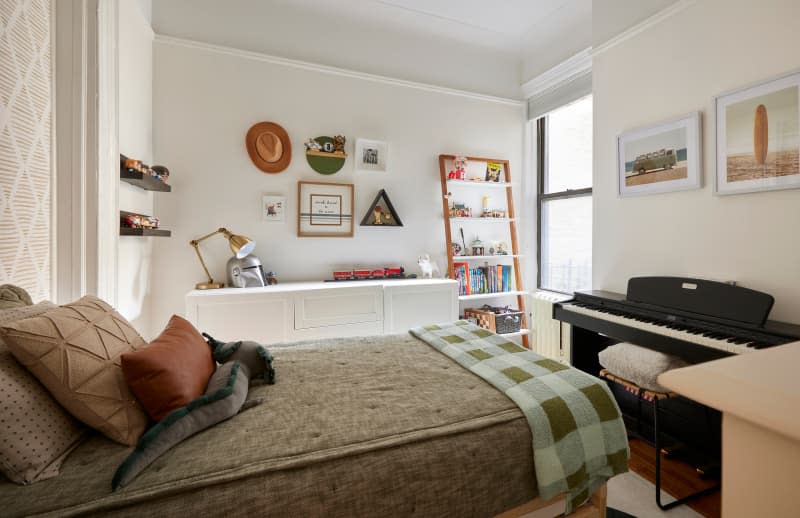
<point>325,209</point>
<point>758,137</point>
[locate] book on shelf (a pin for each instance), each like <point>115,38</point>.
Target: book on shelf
<point>482,279</point>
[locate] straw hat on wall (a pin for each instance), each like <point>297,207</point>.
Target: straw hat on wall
<point>269,147</point>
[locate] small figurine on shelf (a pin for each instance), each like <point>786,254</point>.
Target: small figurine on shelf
<point>271,279</point>
<point>312,145</point>
<point>456,249</point>
<point>501,248</point>
<point>477,247</point>
<point>338,144</point>
<point>460,171</point>
<point>427,266</point>
<point>460,210</point>
<point>486,212</point>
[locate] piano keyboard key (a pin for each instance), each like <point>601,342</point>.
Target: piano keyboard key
<point>706,338</point>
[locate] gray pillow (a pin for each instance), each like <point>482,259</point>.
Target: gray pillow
<point>36,434</point>
<point>639,365</point>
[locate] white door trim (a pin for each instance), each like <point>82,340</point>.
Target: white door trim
<point>85,179</point>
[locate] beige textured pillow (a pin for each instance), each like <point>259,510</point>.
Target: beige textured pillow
<point>36,434</point>
<point>75,350</point>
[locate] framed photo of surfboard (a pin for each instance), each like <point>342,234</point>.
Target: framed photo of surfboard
<point>758,137</point>
<point>324,209</point>
<point>660,158</point>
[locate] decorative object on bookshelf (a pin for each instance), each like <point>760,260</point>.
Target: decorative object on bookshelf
<point>477,247</point>
<point>326,155</point>
<point>269,147</point>
<point>427,267</point>
<point>490,281</point>
<point>456,248</point>
<point>493,171</point>
<point>372,155</point>
<point>325,209</point>
<point>459,171</point>
<point>500,320</point>
<point>460,210</point>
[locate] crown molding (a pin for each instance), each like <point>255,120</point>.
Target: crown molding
<point>568,70</point>
<point>325,69</point>
<point>642,26</point>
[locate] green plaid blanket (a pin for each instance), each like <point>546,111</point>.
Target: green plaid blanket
<point>579,439</point>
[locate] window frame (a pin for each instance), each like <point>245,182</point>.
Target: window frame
<point>542,197</point>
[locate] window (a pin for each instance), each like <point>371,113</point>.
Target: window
<point>564,151</point>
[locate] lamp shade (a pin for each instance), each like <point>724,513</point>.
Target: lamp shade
<point>240,245</point>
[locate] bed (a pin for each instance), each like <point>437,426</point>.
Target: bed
<point>373,426</point>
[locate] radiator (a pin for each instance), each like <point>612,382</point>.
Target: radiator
<point>552,337</point>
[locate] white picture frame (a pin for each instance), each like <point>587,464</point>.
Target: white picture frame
<point>371,156</point>
<point>273,208</point>
<point>738,168</point>
<point>662,157</point>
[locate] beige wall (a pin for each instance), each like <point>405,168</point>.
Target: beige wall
<point>25,145</point>
<point>204,102</point>
<point>676,67</point>
<point>135,141</point>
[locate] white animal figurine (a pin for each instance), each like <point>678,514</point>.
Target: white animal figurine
<point>427,266</point>
<point>313,145</point>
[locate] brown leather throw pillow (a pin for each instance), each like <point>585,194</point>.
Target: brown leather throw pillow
<point>170,372</point>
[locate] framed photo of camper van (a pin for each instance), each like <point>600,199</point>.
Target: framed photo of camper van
<point>660,158</point>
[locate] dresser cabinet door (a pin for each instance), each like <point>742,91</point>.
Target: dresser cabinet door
<point>408,306</point>
<point>338,307</point>
<point>261,318</point>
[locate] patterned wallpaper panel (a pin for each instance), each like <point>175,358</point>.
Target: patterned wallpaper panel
<point>25,145</point>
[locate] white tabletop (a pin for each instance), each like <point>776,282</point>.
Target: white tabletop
<point>318,285</point>
<point>761,387</point>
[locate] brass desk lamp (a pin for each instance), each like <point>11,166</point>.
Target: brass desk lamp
<point>240,246</point>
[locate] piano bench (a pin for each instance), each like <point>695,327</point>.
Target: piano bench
<point>653,397</point>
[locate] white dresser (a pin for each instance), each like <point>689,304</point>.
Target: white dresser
<point>303,310</point>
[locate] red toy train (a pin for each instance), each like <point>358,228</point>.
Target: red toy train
<point>391,272</point>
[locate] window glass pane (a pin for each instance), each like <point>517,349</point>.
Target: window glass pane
<point>567,244</point>
<point>569,147</point>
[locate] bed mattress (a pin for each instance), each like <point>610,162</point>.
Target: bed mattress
<point>372,426</point>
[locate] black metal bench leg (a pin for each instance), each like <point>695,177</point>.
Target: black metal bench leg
<point>679,501</point>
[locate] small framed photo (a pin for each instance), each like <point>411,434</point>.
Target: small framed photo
<point>371,155</point>
<point>325,209</point>
<point>660,158</point>
<point>273,208</point>
<point>758,137</point>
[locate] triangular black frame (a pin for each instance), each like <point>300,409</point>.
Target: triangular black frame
<point>365,222</point>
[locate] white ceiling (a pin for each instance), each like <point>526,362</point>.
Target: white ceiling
<point>485,46</point>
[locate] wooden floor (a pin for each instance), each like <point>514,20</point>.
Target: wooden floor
<point>677,478</point>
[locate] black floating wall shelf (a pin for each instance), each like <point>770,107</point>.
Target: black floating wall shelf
<point>381,213</point>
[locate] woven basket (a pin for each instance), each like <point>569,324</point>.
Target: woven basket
<point>498,320</point>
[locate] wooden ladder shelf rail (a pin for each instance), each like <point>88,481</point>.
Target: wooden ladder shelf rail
<point>443,159</point>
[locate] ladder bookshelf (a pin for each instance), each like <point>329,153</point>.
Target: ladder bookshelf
<point>451,188</point>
